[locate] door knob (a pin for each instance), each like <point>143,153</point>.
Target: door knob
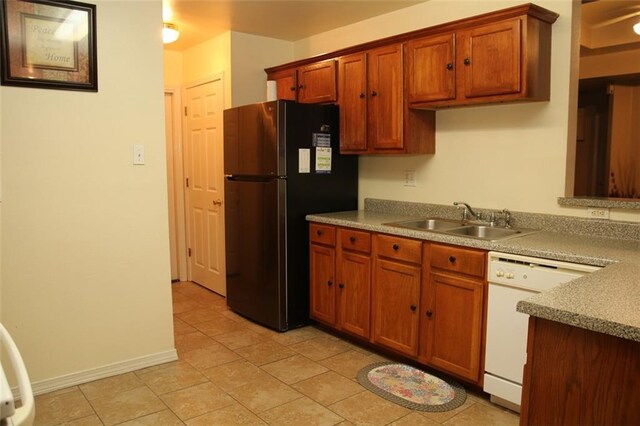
<point>374,93</point>
<point>467,61</point>
<point>429,313</point>
<point>329,283</point>
<point>341,285</point>
<point>413,308</point>
<point>449,66</point>
<point>362,95</point>
<point>217,202</point>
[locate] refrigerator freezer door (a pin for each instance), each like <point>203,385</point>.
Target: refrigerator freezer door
<point>250,140</point>
<point>255,240</point>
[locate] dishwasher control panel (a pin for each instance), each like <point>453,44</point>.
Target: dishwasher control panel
<point>533,273</point>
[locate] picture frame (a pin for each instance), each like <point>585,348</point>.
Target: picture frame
<point>48,44</point>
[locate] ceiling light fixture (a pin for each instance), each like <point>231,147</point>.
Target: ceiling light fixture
<point>170,33</point>
<point>636,28</point>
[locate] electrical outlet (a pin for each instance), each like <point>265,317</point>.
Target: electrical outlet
<point>598,213</point>
<point>409,178</point>
<point>138,154</point>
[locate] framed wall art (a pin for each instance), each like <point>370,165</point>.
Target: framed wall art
<point>48,44</point>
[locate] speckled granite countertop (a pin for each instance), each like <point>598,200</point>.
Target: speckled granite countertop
<point>606,301</point>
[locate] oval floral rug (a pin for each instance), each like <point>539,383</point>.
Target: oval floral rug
<point>411,388</point>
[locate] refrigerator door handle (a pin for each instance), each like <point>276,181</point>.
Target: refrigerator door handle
<point>252,178</point>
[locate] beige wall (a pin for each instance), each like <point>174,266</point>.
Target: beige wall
<point>208,59</point>
<point>173,65</point>
<point>612,63</point>
<point>85,256</point>
<point>511,156</point>
<point>250,55</point>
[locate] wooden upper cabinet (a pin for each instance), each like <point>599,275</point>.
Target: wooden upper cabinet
<point>385,78</point>
<point>286,84</point>
<point>499,61</point>
<point>317,82</point>
<point>352,89</point>
<point>430,68</point>
<point>490,59</point>
<point>374,114</point>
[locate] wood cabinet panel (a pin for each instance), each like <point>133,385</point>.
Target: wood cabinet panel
<point>396,292</point>
<point>322,234</point>
<point>452,333</point>
<point>355,240</point>
<point>317,82</point>
<point>459,260</point>
<point>354,293</point>
<point>490,59</point>
<point>430,68</point>
<point>322,280</point>
<point>578,376</point>
<point>399,248</point>
<point>352,99</point>
<point>286,84</point>
<point>385,84</point>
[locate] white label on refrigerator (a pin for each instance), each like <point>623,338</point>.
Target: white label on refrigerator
<point>304,160</point>
<point>323,160</point>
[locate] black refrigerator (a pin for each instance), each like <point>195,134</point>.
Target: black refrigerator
<point>281,161</point>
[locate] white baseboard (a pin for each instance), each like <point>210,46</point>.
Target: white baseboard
<point>80,377</point>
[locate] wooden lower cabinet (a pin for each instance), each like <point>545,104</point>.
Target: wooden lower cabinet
<point>421,300</point>
<point>575,376</point>
<point>453,311</point>
<point>396,293</point>
<point>354,293</point>
<point>452,326</point>
<point>322,291</point>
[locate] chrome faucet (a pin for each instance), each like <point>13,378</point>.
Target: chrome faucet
<point>474,215</point>
<point>507,218</point>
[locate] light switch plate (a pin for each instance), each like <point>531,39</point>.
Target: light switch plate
<point>138,154</point>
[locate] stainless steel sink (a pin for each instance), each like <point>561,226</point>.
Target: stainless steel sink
<point>488,232</point>
<point>455,227</point>
<point>429,224</point>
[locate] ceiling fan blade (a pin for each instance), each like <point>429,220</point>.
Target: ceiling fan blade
<point>615,20</point>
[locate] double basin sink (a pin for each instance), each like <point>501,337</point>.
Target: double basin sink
<point>464,229</point>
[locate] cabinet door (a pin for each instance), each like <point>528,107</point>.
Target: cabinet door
<point>490,59</point>
<point>430,69</point>
<point>354,293</point>
<point>352,99</point>
<point>452,308</point>
<point>286,84</point>
<point>385,102</point>
<point>323,296</point>
<point>395,300</point>
<point>317,83</point>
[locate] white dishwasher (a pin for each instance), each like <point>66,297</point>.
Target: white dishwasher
<point>513,278</point>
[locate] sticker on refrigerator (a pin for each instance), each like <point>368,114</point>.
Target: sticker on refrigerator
<point>322,139</point>
<point>323,160</point>
<point>304,160</point>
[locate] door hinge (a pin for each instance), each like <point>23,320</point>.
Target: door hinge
<point>185,111</point>
<point>187,181</point>
<point>189,252</point>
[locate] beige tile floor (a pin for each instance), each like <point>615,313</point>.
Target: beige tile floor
<point>234,372</point>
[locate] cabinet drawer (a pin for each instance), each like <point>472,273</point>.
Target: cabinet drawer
<point>322,234</point>
<point>465,261</point>
<point>399,248</point>
<point>355,240</point>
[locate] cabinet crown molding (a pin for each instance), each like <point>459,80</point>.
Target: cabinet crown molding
<point>528,9</point>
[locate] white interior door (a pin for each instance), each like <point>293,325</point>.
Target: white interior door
<point>205,185</point>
